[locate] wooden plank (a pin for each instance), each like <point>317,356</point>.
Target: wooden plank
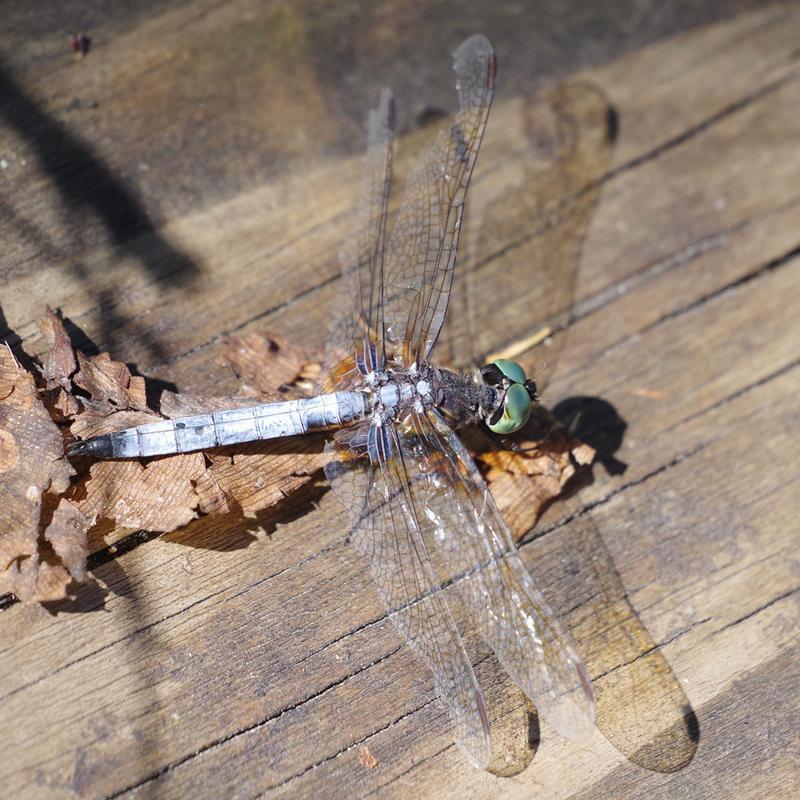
<point>243,657</point>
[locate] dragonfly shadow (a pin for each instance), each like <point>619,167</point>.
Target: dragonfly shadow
<point>641,707</point>
<point>537,190</point>
<point>516,732</point>
<point>596,422</point>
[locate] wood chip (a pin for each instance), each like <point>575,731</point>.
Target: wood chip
<point>366,758</point>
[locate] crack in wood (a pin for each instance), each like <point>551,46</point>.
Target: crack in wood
<point>261,723</point>
<point>657,646</point>
<point>611,294</point>
<point>669,262</point>
<point>769,377</point>
<point>99,650</point>
<point>364,626</point>
<point>356,743</point>
<point>307,560</point>
<point>771,266</point>
<point>758,610</point>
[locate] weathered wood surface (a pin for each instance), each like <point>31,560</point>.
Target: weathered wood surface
<point>245,657</point>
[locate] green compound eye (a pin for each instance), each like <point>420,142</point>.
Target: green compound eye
<point>516,408</point>
<point>510,369</point>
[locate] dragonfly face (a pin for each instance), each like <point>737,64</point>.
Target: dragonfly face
<point>511,396</point>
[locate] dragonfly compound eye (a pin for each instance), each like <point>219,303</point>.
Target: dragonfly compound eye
<point>516,410</point>
<point>510,369</point>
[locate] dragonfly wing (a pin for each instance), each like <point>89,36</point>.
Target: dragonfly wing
<point>479,551</point>
<point>393,532</point>
<point>421,253</point>
<point>355,343</point>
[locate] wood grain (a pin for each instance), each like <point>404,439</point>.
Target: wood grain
<point>247,657</point>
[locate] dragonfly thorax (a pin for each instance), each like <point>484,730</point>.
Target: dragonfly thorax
<point>390,392</point>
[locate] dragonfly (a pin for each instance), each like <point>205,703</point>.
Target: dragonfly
<point>419,509</point>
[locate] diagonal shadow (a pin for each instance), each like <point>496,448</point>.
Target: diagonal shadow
<point>87,187</point>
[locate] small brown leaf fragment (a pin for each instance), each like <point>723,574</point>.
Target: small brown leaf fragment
<point>583,454</point>
<point>35,581</point>
<point>67,534</point>
<point>31,451</point>
<point>524,480</point>
<point>256,480</point>
<point>65,405</point>
<point>109,381</point>
<point>157,496</point>
<point>137,392</point>
<point>265,364</point>
<point>60,363</point>
<point>366,757</point>
<point>116,400</point>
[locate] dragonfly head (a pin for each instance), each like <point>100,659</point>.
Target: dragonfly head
<point>511,396</point>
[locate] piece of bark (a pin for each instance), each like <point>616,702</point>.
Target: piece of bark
<point>111,382</point>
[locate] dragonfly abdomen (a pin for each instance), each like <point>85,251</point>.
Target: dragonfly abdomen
<point>232,426</point>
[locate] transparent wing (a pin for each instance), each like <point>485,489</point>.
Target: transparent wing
<point>479,552</point>
<point>355,343</point>
<point>393,533</point>
<point>422,249</point>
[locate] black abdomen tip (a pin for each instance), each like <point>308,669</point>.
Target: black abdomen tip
<point>96,447</point>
